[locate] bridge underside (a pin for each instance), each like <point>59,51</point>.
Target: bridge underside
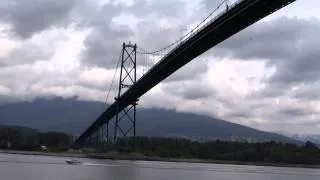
<point>237,18</point>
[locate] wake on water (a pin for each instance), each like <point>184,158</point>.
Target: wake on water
<point>97,164</point>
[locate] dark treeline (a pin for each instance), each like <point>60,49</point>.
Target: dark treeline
<point>17,139</point>
<point>269,152</point>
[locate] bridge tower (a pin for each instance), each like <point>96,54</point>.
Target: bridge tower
<point>125,120</point>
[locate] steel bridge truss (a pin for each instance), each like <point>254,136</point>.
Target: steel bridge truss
<point>125,120</point>
<point>238,17</point>
<point>124,125</point>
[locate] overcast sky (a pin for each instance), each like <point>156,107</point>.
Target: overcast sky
<point>265,77</point>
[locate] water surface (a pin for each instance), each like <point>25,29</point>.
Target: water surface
<point>16,167</point>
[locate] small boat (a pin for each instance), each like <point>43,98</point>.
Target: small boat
<point>73,161</point>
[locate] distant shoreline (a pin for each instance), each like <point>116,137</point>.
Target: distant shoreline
<point>148,158</point>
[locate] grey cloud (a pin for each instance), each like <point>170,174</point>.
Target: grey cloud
<point>290,45</point>
<point>193,70</point>
<point>13,76</point>
<point>159,9</point>
<point>30,16</point>
<point>275,40</point>
<point>26,53</point>
<point>190,90</point>
<point>235,108</point>
<point>31,50</point>
<point>153,37</point>
<point>271,91</point>
<point>196,93</point>
<point>238,114</point>
<point>103,46</point>
<point>307,92</point>
<point>26,82</point>
<point>273,116</point>
<point>104,43</point>
<point>292,112</point>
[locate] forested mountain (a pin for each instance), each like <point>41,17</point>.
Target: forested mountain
<point>73,116</point>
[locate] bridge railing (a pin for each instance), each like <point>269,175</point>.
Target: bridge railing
<point>200,27</point>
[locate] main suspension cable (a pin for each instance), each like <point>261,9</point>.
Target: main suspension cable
<point>114,76</point>
<point>156,52</point>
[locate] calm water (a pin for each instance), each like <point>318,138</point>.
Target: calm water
<point>16,167</point>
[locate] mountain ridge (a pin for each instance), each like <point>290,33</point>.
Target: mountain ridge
<point>74,116</point>
<point>315,138</point>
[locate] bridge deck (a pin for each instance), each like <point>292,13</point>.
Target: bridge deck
<point>237,18</point>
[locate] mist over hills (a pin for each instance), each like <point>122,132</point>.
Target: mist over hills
<point>315,138</point>
<point>74,116</point>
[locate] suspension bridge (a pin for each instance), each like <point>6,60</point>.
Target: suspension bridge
<point>213,30</point>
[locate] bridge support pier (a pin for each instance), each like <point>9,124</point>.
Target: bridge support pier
<point>125,122</point>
